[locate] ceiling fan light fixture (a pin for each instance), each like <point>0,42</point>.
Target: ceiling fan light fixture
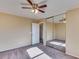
<point>35,11</point>
<point>35,7</point>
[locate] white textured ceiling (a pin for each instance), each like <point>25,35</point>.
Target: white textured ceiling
<point>54,7</point>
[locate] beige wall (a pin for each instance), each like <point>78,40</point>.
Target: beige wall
<point>60,31</point>
<point>15,31</point>
<point>72,33</point>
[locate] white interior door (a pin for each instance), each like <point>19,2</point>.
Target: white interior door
<point>35,33</point>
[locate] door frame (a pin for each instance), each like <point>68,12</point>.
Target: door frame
<point>31,31</point>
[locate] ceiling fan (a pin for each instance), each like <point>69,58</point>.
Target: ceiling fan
<point>35,7</point>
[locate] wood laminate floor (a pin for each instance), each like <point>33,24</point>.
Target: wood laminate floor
<point>20,53</point>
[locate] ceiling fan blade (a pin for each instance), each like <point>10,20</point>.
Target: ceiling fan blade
<point>42,6</point>
<point>26,7</point>
<point>41,11</point>
<point>30,2</point>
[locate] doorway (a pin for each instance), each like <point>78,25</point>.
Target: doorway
<point>41,33</point>
<point>37,33</point>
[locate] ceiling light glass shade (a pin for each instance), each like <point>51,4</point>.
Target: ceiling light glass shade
<point>35,11</point>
